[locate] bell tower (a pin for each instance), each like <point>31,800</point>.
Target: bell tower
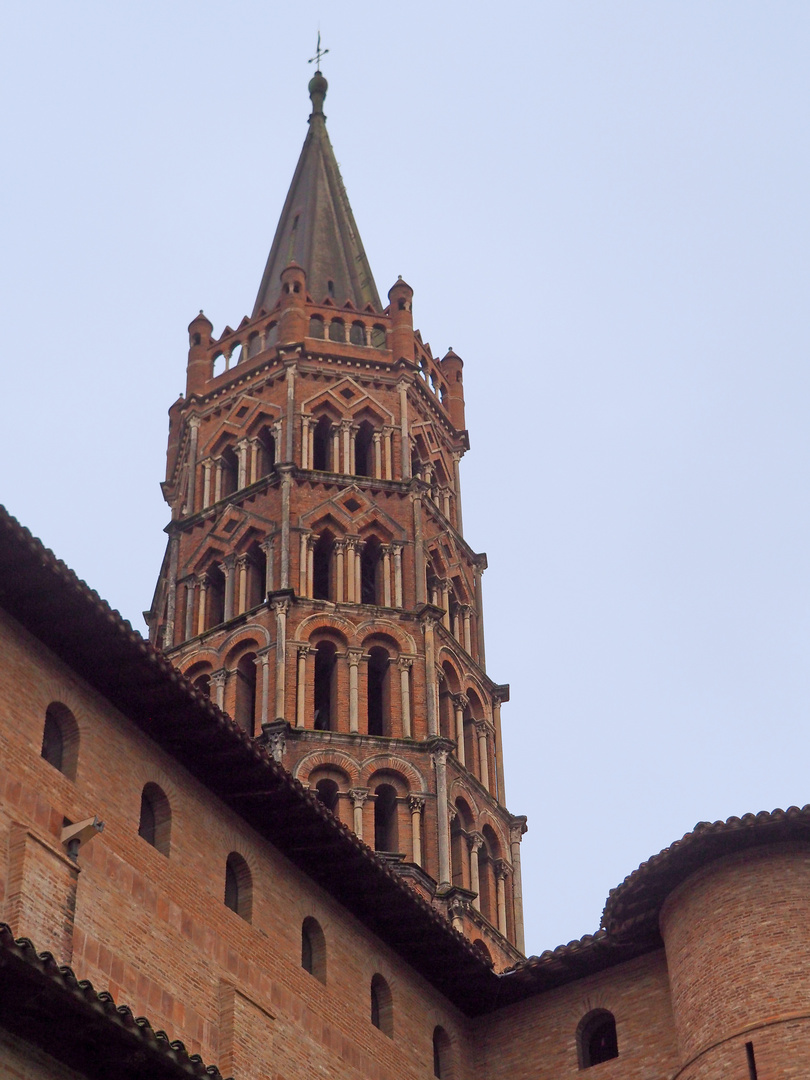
<point>317,584</point>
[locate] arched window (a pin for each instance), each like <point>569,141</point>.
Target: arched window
<point>257,575</point>
<point>155,825</point>
<point>378,337</point>
<point>214,597</point>
<point>322,445</point>
<point>327,793</point>
<point>386,832</point>
<point>324,685</point>
<point>357,334</point>
<point>238,886</point>
<point>267,451</point>
<point>230,471</point>
<point>322,557</point>
<point>481,947</point>
<point>370,571</point>
<point>245,711</point>
<point>313,949</point>
<point>271,335</point>
<point>60,739</point>
<point>596,1038</point>
<point>203,684</point>
<point>382,1012</point>
<point>337,330</point>
<point>442,1065</point>
<point>364,450</point>
<point>316,326</point>
<point>379,719</point>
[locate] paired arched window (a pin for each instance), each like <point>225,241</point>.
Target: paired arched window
<point>371,571</point>
<point>245,711</point>
<point>596,1038</point>
<point>364,450</point>
<point>324,685</point>
<point>60,739</point>
<point>313,949</point>
<point>322,445</point>
<point>239,886</point>
<point>382,1012</point>
<point>442,1064</point>
<point>327,792</point>
<point>322,559</point>
<point>155,824</point>
<point>378,692</point>
<point>386,831</point>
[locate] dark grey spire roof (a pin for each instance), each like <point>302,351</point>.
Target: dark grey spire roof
<point>317,228</point>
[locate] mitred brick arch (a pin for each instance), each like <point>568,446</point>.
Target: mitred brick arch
<point>324,621</point>
<point>388,628</point>
<point>389,763</point>
<point>460,789</point>
<point>318,758</point>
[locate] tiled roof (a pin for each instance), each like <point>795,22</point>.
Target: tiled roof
<point>632,908</point>
<point>45,1004</point>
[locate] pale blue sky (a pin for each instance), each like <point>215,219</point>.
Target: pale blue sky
<point>603,208</point>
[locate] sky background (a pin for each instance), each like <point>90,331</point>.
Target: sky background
<point>602,206</point>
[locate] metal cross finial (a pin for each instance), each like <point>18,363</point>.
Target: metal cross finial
<point>319,52</point>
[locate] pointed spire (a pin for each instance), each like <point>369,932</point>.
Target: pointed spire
<point>317,228</point>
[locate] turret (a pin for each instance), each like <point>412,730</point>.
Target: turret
<point>451,366</point>
<point>293,322</point>
<point>199,368</point>
<point>400,311</point>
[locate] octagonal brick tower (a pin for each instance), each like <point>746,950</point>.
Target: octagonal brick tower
<point>317,583</point>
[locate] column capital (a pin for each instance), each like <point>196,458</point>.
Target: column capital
<point>274,738</point>
<point>227,564</point>
<point>475,842</point>
<point>483,727</point>
<point>193,422</point>
<point>243,560</point>
<point>302,650</point>
<point>429,614</point>
<point>501,868</point>
<point>416,803</point>
<point>359,795</point>
<point>517,828</point>
<point>405,662</point>
<point>218,677</point>
<point>461,701</point>
<point>439,748</point>
<point>355,656</point>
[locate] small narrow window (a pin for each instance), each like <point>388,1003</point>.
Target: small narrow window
<point>155,824</point>
<point>382,1013</point>
<point>386,836</point>
<point>752,1065</point>
<point>238,886</point>
<point>60,739</point>
<point>313,949</point>
<point>327,793</point>
<point>441,1054</point>
<point>596,1038</point>
<point>324,685</point>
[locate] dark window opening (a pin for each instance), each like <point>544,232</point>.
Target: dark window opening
<point>238,886</point>
<point>313,949</point>
<point>327,793</point>
<point>370,567</point>
<point>215,597</point>
<point>230,472</point>
<point>382,1014</point>
<point>257,576</point>
<point>52,744</point>
<point>155,822</point>
<point>357,334</point>
<point>316,328</point>
<point>337,331</point>
<point>596,1039</point>
<point>378,337</point>
<point>322,445</point>
<point>246,693</point>
<point>441,1054</point>
<point>364,450</point>
<point>267,451</point>
<point>203,684</point>
<point>330,288</point>
<point>378,664</point>
<point>322,567</point>
<point>385,819</point>
<point>324,680</point>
